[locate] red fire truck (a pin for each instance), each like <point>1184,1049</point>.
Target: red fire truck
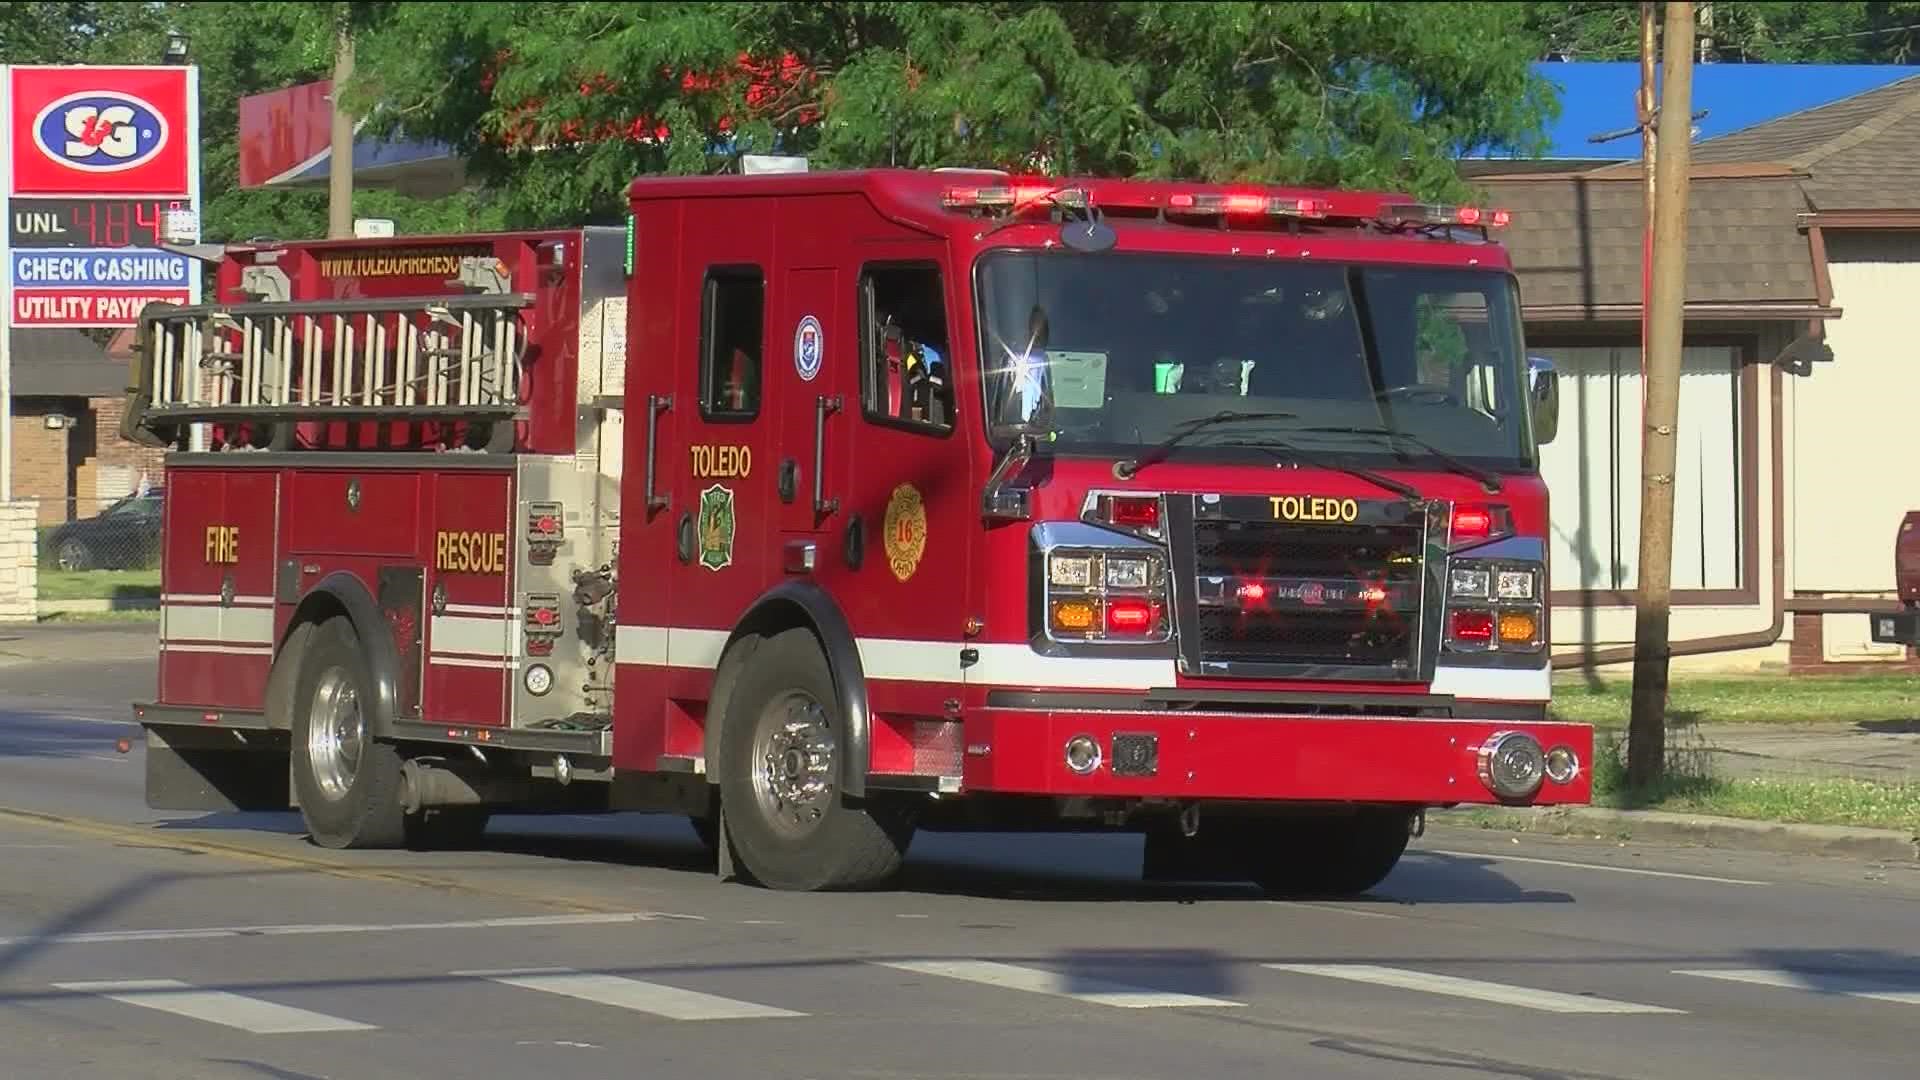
<point>821,507</point>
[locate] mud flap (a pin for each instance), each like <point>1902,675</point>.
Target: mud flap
<point>723,849</point>
<point>189,769</point>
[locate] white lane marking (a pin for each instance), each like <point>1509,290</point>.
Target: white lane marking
<point>1058,984</point>
<point>1824,983</point>
<point>99,937</point>
<point>215,1006</point>
<point>1497,993</point>
<point>1591,866</point>
<point>622,993</point>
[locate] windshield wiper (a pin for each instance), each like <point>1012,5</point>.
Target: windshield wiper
<point>1287,450</point>
<point>1487,480</point>
<point>1128,468</point>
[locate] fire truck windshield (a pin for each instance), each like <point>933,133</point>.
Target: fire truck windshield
<point>1103,354</point>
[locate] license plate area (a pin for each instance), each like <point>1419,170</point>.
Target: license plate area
<point>1135,754</point>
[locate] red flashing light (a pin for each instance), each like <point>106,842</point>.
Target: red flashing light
<point>547,524</point>
<point>546,616</point>
<point>1135,512</point>
<point>1246,204</point>
<point>1253,592</point>
<point>1473,626</point>
<point>1129,617</point>
<point>1472,523</point>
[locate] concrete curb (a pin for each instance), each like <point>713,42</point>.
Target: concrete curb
<point>1885,845</point>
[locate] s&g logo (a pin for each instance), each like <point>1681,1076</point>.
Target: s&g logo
<point>100,131</point>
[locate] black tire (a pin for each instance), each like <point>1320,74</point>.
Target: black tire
<point>74,555</point>
<point>364,810</point>
<point>831,842</point>
<point>1333,856</point>
<point>451,828</point>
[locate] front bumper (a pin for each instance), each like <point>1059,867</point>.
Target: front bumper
<point>1432,762</point>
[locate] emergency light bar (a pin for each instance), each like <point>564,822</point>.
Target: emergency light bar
<point>970,198</point>
<point>1430,214</point>
<point>1271,205</point>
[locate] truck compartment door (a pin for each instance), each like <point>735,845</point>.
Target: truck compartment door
<point>217,626</point>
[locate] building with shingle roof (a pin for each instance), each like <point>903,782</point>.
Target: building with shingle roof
<point>1801,361</point>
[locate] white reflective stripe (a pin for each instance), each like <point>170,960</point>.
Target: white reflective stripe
<point>1016,665</point>
<point>214,598</point>
<point>1473,989</point>
<point>215,1006</point>
<point>661,646</point>
<point>1019,666</point>
<point>472,662</point>
<point>641,645</point>
<point>240,626</point>
<point>919,661</point>
<point>481,609</point>
<point>229,650</point>
<point>473,636</point>
<point>1494,684</point>
<point>1073,985</point>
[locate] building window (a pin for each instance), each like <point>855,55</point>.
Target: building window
<point>1592,470</point>
<point>907,378</point>
<point>731,342</point>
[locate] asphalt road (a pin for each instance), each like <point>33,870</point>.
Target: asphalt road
<point>142,944</point>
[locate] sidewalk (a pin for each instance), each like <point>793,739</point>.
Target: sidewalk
<point>67,643</point>
<point>1886,751</point>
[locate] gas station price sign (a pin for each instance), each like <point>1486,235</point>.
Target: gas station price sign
<point>89,222</point>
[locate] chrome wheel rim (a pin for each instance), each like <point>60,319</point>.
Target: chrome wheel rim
<point>793,764</point>
<point>336,734</point>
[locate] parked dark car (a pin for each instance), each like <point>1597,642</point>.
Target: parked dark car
<point>124,536</point>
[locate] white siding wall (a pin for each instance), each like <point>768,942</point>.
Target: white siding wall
<point>1849,443</point>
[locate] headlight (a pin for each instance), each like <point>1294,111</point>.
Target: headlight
<point>1469,583</point>
<point>1073,571</point>
<point>1101,594</point>
<point>1512,764</point>
<point>1127,573</point>
<point>1516,584</point>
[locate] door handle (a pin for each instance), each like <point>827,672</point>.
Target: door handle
<point>656,404</point>
<point>822,406</point>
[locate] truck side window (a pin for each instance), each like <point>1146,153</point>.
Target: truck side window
<point>906,375</point>
<point>731,321</point>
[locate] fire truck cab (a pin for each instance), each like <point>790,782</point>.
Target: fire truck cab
<point>822,507</point>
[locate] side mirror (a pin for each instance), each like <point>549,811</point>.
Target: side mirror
<point>1543,395</point>
<point>1023,397</point>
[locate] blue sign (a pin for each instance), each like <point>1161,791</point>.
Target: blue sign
<point>93,268</point>
<point>100,131</point>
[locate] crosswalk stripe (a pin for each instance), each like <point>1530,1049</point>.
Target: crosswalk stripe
<point>215,1006</point>
<point>1825,983</point>
<point>1059,984</point>
<point>622,993</point>
<point>1496,993</point>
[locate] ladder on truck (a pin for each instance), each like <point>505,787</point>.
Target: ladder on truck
<point>271,365</point>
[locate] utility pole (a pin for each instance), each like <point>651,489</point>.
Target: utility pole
<point>1646,733</point>
<point>340,158</point>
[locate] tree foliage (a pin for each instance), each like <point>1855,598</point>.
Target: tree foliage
<point>1769,31</point>
<point>561,104</point>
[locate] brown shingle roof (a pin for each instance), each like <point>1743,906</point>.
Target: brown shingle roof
<point>1575,243</point>
<point>63,363</point>
<point>1861,153</point>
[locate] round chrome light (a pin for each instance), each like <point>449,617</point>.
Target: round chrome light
<point>1083,754</point>
<point>1562,764</point>
<point>1512,764</point>
<point>538,680</point>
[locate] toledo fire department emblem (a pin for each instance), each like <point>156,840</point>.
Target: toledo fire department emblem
<point>715,528</point>
<point>905,530</point>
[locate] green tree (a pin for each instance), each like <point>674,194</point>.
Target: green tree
<point>1769,31</point>
<point>559,105</point>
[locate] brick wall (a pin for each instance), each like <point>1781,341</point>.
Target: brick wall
<point>113,452</point>
<point>19,575</point>
<point>41,469</point>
